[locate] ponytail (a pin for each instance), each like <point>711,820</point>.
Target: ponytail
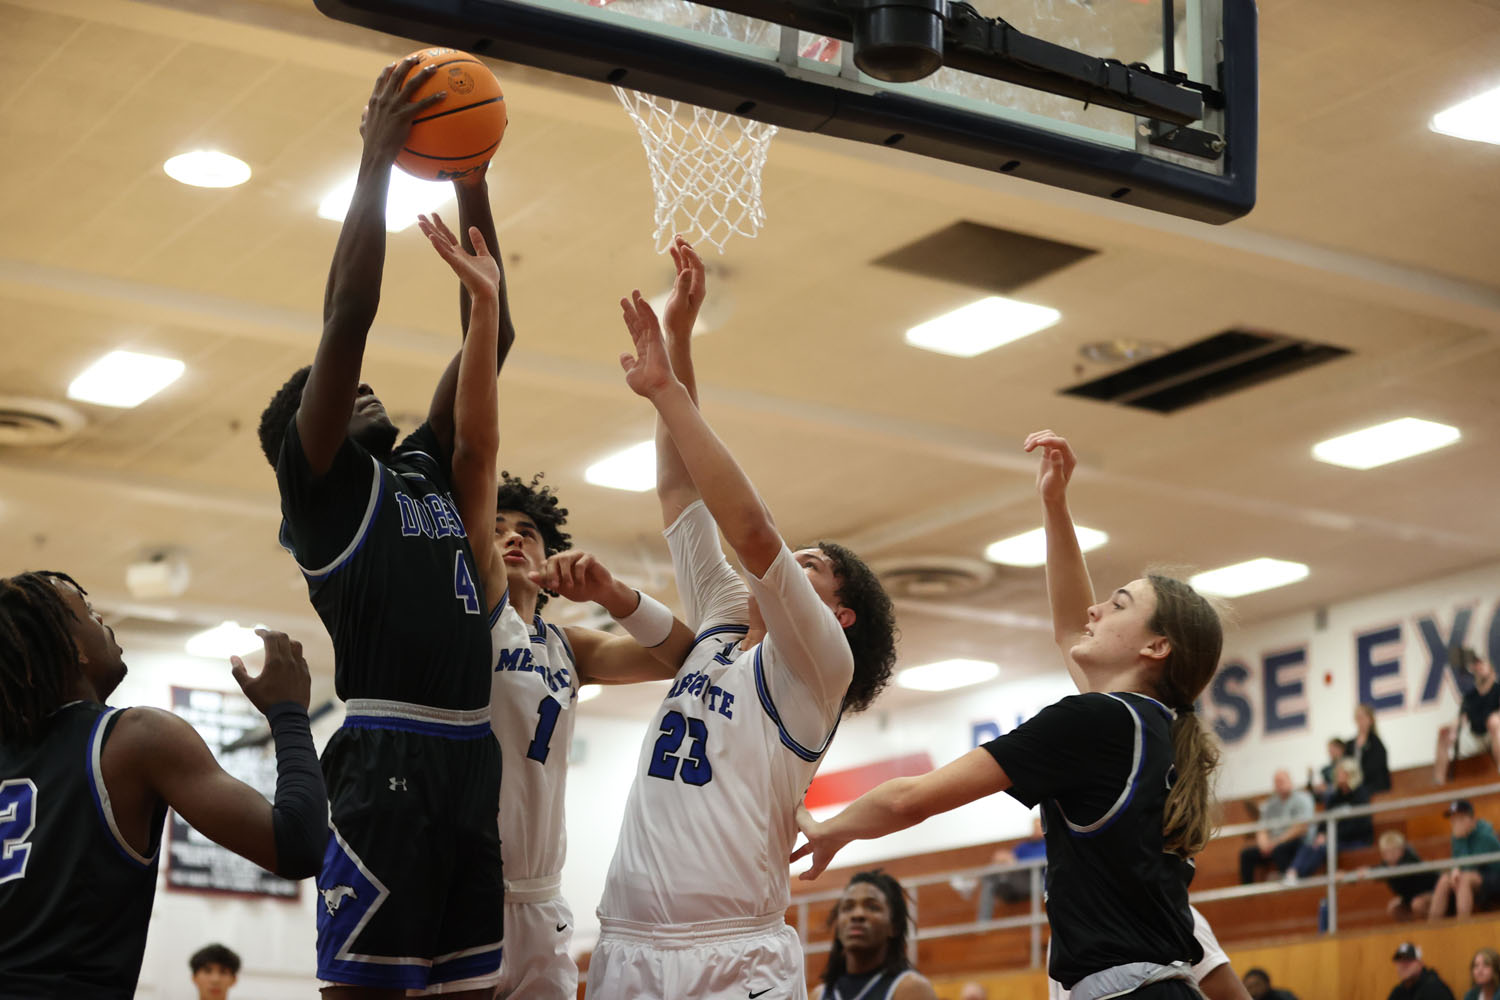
<point>1187,819</point>
<point>1193,627</point>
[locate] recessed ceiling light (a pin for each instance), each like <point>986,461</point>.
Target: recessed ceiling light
<point>946,675</point>
<point>1249,577</point>
<point>125,379</point>
<point>981,326</point>
<point>207,168</point>
<point>632,469</point>
<point>1030,548</point>
<point>224,640</point>
<point>1385,443</point>
<point>405,199</point>
<point>589,692</point>
<point>1478,118</point>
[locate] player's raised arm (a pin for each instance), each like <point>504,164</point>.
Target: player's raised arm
<point>476,411</point>
<point>613,659</point>
<point>473,213</point>
<point>728,493</point>
<point>1069,589</point>
<point>353,292</point>
<point>674,487</point>
<point>168,756</point>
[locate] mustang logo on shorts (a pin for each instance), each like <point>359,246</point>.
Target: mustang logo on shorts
<point>334,897</point>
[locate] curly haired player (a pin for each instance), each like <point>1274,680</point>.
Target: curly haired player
<point>696,894</point>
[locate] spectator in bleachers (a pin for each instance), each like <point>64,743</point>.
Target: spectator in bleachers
<point>1413,892</point>
<point>1481,708</point>
<point>1354,831</point>
<point>1418,982</point>
<point>1476,886</point>
<point>1291,810</point>
<point>1012,887</point>
<point>869,955</point>
<point>1320,785</point>
<point>1484,975</point>
<point>1369,750</point>
<point>1258,985</point>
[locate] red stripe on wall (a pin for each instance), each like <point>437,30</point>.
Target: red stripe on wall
<point>834,788</point>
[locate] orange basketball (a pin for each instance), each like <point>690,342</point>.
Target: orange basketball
<point>459,134</point>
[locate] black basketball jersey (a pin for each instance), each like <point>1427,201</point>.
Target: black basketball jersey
<point>75,898</point>
<point>390,571</point>
<point>1101,765</point>
<point>877,985</point>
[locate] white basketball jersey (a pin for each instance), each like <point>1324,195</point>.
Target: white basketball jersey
<point>728,756</point>
<point>532,698</point>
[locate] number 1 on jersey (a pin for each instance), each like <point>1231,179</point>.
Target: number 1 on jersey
<point>541,742</point>
<point>17,820</point>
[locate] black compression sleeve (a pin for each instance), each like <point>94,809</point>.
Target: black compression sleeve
<point>299,815</point>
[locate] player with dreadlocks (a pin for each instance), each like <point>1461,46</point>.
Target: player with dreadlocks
<point>84,789</point>
<point>868,960</point>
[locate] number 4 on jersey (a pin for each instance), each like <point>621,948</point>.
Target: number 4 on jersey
<point>463,586</point>
<point>17,820</point>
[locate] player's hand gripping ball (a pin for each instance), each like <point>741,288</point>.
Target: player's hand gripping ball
<point>455,137</point>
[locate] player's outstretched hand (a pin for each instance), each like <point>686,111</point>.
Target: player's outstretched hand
<point>284,677</point>
<point>686,298</point>
<point>647,372</point>
<point>1058,462</point>
<point>478,270</point>
<point>577,576</point>
<point>820,844</point>
<point>387,118</point>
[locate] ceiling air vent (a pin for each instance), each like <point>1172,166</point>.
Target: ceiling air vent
<point>36,423</point>
<point>933,577</point>
<point>1216,366</point>
<point>971,253</point>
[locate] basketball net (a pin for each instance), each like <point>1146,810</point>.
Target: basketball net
<point>705,168</point>
<point>705,164</point>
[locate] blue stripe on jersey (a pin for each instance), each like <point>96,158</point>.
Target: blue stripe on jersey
<point>564,640</point>
<point>414,453</point>
<point>481,963</point>
<point>500,608</point>
<point>786,738</point>
<point>446,731</point>
<point>1123,802</point>
<point>96,782</point>
<point>372,512</point>
<point>720,630</point>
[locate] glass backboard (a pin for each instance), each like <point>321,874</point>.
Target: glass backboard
<point>781,73</point>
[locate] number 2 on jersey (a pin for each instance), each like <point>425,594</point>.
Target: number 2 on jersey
<point>696,769</point>
<point>463,586</point>
<point>541,741</point>
<point>17,820</point>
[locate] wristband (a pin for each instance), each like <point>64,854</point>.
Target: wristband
<point>650,623</point>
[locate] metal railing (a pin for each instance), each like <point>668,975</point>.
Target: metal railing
<point>1038,917</point>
